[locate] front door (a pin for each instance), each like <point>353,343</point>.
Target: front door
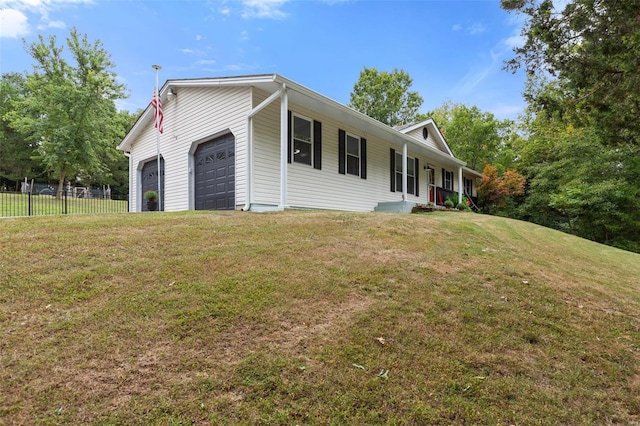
<point>431,184</point>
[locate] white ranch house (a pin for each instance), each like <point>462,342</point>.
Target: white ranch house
<point>264,142</point>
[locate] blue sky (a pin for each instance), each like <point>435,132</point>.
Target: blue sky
<point>453,50</point>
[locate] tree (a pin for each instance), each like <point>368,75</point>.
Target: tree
<point>592,48</point>
<point>115,172</point>
<point>70,107</point>
<point>496,190</point>
<point>386,97</point>
<point>16,152</point>
<point>579,185</point>
<point>474,136</point>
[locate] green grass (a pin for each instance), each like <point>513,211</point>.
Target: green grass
<point>314,318</point>
<point>14,205</point>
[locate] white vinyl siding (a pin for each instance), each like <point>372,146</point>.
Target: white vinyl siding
<point>325,188</point>
<point>265,176</point>
<point>431,141</point>
<point>197,115</point>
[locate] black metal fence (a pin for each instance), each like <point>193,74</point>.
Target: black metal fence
<point>38,200</point>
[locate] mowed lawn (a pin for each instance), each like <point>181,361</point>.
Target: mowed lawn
<point>315,318</point>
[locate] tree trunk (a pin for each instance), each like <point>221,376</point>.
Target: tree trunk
<point>61,184</point>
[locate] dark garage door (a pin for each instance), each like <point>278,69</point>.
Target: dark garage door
<point>215,174</point>
<point>150,180</point>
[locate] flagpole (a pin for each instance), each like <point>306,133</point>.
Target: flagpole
<point>157,116</point>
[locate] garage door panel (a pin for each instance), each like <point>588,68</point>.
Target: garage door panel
<point>149,180</point>
<point>215,174</point>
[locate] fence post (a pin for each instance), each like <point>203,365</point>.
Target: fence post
<point>64,197</point>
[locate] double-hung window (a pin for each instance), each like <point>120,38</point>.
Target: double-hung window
<point>396,173</point>
<point>468,186</point>
<point>305,141</point>
<point>352,154</point>
<point>411,174</point>
<point>302,140</point>
<point>447,180</point>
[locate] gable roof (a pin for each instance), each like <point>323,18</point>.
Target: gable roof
<point>303,96</point>
<point>434,132</point>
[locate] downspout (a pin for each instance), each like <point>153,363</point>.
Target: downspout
<point>247,197</point>
<point>252,113</point>
<point>460,186</point>
<point>284,146</point>
<point>404,172</point>
<point>128,155</point>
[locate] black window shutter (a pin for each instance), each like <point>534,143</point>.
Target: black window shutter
<point>417,177</point>
<point>392,166</point>
<point>363,158</point>
<point>443,178</point>
<point>289,140</point>
<point>317,145</point>
<point>342,152</point>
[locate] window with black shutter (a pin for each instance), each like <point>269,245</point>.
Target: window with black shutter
<point>352,152</point>
<point>305,141</point>
<point>412,174</point>
<point>447,180</point>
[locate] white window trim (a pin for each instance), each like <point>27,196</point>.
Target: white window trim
<point>409,160</point>
<point>447,173</point>
<point>347,155</point>
<point>293,139</point>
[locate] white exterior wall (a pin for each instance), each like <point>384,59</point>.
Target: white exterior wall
<point>266,152</point>
<point>194,116</point>
<point>326,188</point>
<point>431,141</point>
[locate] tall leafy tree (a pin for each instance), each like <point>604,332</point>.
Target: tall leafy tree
<point>592,47</point>
<point>475,136</point>
<point>15,151</point>
<point>576,182</point>
<point>70,105</point>
<point>386,97</point>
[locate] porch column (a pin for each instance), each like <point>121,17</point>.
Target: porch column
<point>262,105</point>
<point>284,146</point>
<point>460,185</point>
<point>404,172</point>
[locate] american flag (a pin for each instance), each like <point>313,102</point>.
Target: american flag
<point>157,115</point>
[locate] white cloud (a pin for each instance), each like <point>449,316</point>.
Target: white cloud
<point>244,35</point>
<point>457,27</point>
<point>52,24</point>
<point>188,51</point>
<point>13,23</point>
<point>514,41</point>
<point>264,9</point>
<point>206,62</point>
<point>476,28</point>
<point>477,75</point>
<point>16,14</point>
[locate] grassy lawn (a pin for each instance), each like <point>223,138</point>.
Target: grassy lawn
<point>314,318</point>
<point>12,205</point>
